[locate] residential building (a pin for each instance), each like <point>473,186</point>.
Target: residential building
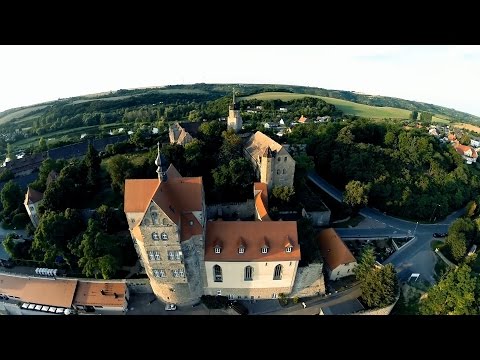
<point>31,295</point>
<point>303,120</point>
<point>234,120</point>
<point>467,152</point>
<point>166,218</point>
<point>33,200</point>
<point>251,259</point>
<point>338,258</point>
<point>273,164</point>
<point>183,133</point>
<point>475,143</point>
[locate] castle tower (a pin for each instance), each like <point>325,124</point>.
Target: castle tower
<point>234,120</point>
<point>161,163</point>
<point>266,167</point>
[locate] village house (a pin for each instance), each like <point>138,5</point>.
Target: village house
<point>338,258</point>
<point>183,133</point>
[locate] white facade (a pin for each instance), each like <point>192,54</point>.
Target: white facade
<point>264,282</point>
<point>341,271</point>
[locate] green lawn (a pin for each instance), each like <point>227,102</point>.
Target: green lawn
<point>348,107</point>
<point>437,244</point>
<point>440,120</point>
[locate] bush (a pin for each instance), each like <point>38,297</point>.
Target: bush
<point>20,220</point>
<point>295,300</point>
<point>214,302</point>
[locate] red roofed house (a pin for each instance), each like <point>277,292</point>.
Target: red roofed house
<point>33,199</point>
<point>467,152</point>
<point>302,119</point>
<point>251,259</point>
<point>338,259</point>
<point>260,194</point>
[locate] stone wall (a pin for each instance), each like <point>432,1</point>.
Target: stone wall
<point>242,210</point>
<point>319,218</point>
<point>139,286</point>
<point>193,254</point>
<point>250,293</point>
<point>309,281</point>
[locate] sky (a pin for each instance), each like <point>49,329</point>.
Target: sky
<point>440,75</point>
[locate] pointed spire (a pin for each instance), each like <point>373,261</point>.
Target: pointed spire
<point>233,95</point>
<point>161,165</point>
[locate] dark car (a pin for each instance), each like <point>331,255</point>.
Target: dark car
<point>439,235</point>
<point>238,307</point>
<point>6,263</point>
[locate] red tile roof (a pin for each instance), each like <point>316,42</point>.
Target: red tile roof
<point>138,193</point>
<point>302,119</point>
<point>90,293</point>
<point>461,149</point>
<point>189,227</point>
<point>33,196</point>
<point>333,249</point>
<point>253,234</point>
<point>260,192</point>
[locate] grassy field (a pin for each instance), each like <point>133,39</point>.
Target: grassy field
<point>19,113</point>
<point>440,120</point>
<point>348,107</point>
<point>467,127</point>
<point>61,133</point>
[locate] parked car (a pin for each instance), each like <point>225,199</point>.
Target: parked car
<point>170,307</point>
<point>6,263</point>
<point>238,307</point>
<point>439,235</point>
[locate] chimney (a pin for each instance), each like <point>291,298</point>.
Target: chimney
<point>102,291</point>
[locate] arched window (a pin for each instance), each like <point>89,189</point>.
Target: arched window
<point>248,273</point>
<point>164,221</point>
<point>164,236</point>
<point>217,273</point>
<point>155,217</point>
<point>277,273</point>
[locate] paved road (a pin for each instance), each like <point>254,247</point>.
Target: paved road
<point>416,256</point>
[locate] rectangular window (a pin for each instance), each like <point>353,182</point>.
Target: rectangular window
<point>264,250</point>
<point>157,255</point>
<point>159,273</point>
<point>285,159</point>
<point>231,296</point>
<point>274,296</point>
<point>288,249</point>
<point>151,255</point>
<point>174,255</point>
<point>175,273</point>
<point>181,273</point>
<point>219,292</point>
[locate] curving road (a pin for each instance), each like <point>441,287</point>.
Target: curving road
<point>416,256</point>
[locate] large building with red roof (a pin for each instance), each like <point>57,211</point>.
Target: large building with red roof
<point>186,256</point>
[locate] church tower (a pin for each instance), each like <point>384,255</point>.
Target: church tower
<point>234,120</point>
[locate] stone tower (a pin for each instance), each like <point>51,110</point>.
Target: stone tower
<point>266,167</point>
<point>234,120</point>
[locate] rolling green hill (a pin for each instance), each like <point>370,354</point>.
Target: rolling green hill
<point>347,107</point>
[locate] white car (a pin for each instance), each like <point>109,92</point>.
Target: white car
<point>170,307</point>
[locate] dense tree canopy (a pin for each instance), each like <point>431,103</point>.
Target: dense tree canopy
<point>379,284</point>
<point>456,294</point>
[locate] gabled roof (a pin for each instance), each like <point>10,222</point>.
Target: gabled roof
<point>33,196</point>
<point>302,119</point>
<point>189,227</point>
<point>90,293</point>
<point>254,235</point>
<point>260,192</point>
<point>461,149</point>
<point>138,193</point>
<point>333,249</point>
<point>258,143</point>
<point>172,172</point>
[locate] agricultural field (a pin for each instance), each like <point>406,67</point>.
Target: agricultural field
<point>19,113</point>
<point>467,127</point>
<point>348,107</point>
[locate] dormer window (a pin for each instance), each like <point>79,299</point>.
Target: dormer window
<point>164,236</point>
<point>241,249</point>
<point>190,222</point>
<point>288,249</point>
<point>155,236</point>
<point>264,249</point>
<point>217,249</point>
